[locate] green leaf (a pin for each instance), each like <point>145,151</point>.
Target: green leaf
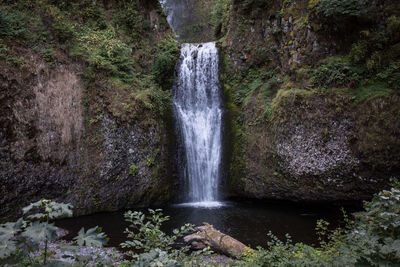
<point>40,231</point>
<point>7,248</point>
<point>91,238</point>
<point>31,206</point>
<point>8,230</point>
<point>59,210</point>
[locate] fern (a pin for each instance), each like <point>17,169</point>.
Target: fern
<point>18,239</point>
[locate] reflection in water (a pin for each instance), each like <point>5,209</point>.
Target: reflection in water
<point>248,222</point>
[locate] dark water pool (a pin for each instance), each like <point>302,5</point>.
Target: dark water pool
<point>246,221</point>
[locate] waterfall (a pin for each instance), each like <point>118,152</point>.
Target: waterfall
<point>198,111</point>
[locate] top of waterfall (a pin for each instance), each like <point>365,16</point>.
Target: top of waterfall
<point>200,44</point>
<point>185,17</point>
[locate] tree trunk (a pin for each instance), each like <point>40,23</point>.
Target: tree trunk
<point>207,235</point>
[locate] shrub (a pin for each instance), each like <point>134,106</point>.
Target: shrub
<point>391,75</point>
<point>338,8</point>
<point>128,19</point>
<point>284,254</point>
<point>60,25</point>
<point>12,24</point>
<point>375,238</point>
<point>251,5</point>
<point>376,89</point>
<point>369,50</point>
<point>106,53</point>
<point>336,72</point>
<point>164,64</point>
<point>19,239</point>
<point>156,247</point>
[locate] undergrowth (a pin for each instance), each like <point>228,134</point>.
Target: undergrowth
<point>110,48</point>
<point>372,239</point>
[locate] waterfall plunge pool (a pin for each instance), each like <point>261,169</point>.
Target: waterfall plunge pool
<point>198,110</point>
<point>248,221</point>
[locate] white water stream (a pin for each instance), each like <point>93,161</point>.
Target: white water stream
<point>197,106</point>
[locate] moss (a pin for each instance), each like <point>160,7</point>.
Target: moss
<point>283,97</point>
<point>8,56</point>
<point>133,169</point>
<point>376,140</point>
<point>364,93</point>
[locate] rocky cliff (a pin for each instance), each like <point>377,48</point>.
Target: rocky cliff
<point>313,97</point>
<point>83,117</point>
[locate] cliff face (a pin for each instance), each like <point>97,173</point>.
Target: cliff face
<point>312,117</point>
<point>86,125</point>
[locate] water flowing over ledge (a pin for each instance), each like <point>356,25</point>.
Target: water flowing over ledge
<point>203,204</point>
<point>197,107</point>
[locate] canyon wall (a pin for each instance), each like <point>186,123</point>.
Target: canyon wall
<point>312,99</point>
<point>81,118</point>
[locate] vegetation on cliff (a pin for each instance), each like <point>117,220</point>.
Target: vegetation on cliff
<point>101,71</point>
<point>296,69</point>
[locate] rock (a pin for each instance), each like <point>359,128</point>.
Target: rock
<point>207,235</point>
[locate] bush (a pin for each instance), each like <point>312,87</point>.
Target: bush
<point>251,5</point>
<point>373,239</point>
<point>60,25</point>
<point>155,246</point>
<point>391,75</point>
<point>12,24</point>
<point>338,8</point>
<point>18,240</point>
<point>128,19</point>
<point>106,53</point>
<point>284,254</point>
<point>164,64</point>
<point>336,72</point>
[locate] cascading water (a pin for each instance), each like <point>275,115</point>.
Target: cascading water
<point>197,106</point>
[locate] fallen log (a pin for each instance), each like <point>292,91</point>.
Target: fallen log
<point>207,235</point>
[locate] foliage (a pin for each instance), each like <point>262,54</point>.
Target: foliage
<point>258,85</point>
<point>7,55</point>
<point>248,5</point>
<point>156,247</point>
<point>12,24</point>
<point>152,96</point>
<point>337,8</point>
<point>133,169</point>
<point>391,75</point>
<point>164,64</point>
<point>128,18</point>
<point>106,53</point>
<point>284,254</point>
<point>368,50</point>
<point>18,240</point>
<point>219,16</point>
<point>377,89</point>
<point>93,237</point>
<point>373,239</point>
<point>336,72</point>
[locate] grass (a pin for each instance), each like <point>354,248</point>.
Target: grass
<point>363,93</point>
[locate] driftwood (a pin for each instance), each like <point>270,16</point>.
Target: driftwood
<point>207,235</point>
